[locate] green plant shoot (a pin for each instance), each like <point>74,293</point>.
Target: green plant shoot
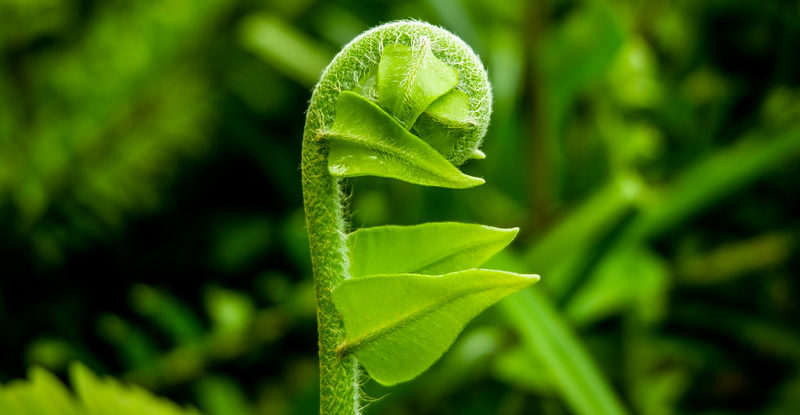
<point>406,101</point>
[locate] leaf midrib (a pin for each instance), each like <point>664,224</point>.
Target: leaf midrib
<point>454,176</point>
<point>352,346</point>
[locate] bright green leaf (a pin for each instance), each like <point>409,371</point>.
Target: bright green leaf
<point>398,325</point>
<point>429,248</point>
<point>445,120</point>
<point>366,141</point>
<point>109,396</point>
<point>410,79</point>
<point>44,394</point>
<point>451,108</point>
<point>50,393</point>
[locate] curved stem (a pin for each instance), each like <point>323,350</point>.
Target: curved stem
<point>338,376</point>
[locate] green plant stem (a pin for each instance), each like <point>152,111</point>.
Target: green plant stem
<point>338,377</point>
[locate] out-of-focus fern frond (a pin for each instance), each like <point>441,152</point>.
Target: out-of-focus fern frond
<point>44,394</point>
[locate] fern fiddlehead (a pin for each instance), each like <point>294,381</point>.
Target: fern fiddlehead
<point>409,101</point>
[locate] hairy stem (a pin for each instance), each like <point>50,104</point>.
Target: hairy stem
<point>338,377</point>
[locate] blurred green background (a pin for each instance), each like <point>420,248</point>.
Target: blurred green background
<point>151,221</point>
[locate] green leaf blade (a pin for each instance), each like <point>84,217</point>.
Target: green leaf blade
<point>109,396</point>
<point>366,141</point>
<point>430,248</point>
<point>44,394</point>
<point>410,79</point>
<point>447,121</point>
<point>398,325</point>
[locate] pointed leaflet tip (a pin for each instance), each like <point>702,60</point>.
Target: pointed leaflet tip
<point>477,155</point>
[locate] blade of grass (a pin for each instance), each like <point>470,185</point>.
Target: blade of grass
<point>545,334</point>
<point>715,177</point>
<point>562,252</point>
<point>281,45</point>
<point>544,331</point>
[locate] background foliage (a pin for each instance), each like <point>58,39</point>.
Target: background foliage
<point>151,223</point>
